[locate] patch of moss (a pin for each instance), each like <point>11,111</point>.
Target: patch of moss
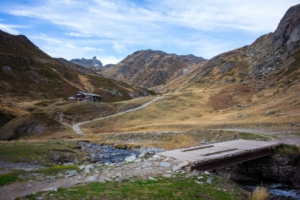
<point>288,150</point>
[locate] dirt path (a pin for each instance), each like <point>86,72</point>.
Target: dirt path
<point>286,137</point>
<point>76,127</point>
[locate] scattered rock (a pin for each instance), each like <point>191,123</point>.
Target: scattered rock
<point>199,182</point>
<point>206,172</point>
<point>176,168</point>
<point>130,158</point>
<point>209,180</point>
<point>167,175</point>
<point>203,142</point>
<point>270,112</point>
<point>165,164</point>
<point>152,179</point>
<point>71,173</point>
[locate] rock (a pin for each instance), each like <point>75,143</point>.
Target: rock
<point>270,112</point>
<point>68,164</point>
<point>209,180</point>
<point>195,173</point>
<point>102,181</point>
<point>91,178</point>
<point>81,167</point>
<point>87,171</point>
<point>118,175</point>
<point>89,167</point>
<point>183,164</point>
<point>40,198</point>
<point>130,158</point>
<point>176,168</point>
<point>203,142</point>
<point>50,189</point>
<point>199,182</point>
<point>157,156</point>
<point>165,164</point>
<point>108,180</point>
<point>71,173</point>
<point>50,177</point>
<point>206,172</point>
<point>167,175</point>
<point>152,179</point>
<point>200,177</point>
<point>29,185</point>
<point>138,160</point>
<point>122,180</point>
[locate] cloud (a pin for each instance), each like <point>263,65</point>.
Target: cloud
<point>118,46</point>
<point>194,27</point>
<point>11,28</point>
<point>77,35</point>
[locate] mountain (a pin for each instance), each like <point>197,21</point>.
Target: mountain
<point>31,80</point>
<point>149,68</point>
<point>88,63</point>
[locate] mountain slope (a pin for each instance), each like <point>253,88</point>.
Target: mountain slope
<point>150,68</point>
<point>30,80</point>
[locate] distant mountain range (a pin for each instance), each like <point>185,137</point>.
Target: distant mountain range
<point>88,63</point>
<point>149,68</point>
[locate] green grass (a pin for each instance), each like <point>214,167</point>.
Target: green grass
<point>251,136</point>
<point>9,178</point>
<point>173,188</point>
<point>55,169</point>
<point>288,150</point>
<point>41,151</point>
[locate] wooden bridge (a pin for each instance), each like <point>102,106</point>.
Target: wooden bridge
<point>213,156</point>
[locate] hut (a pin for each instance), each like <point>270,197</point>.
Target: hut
<point>85,97</point>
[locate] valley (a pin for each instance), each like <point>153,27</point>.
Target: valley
<point>151,101</point>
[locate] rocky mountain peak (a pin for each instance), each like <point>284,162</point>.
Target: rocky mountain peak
<point>88,63</point>
<point>288,30</point>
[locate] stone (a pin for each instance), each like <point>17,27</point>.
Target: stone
<point>199,182</point>
<point>118,175</point>
<point>167,175</point>
<point>91,178</point>
<point>203,142</point>
<point>130,158</point>
<point>270,112</point>
<point>209,180</point>
<point>152,179</point>
<point>89,167</point>
<point>138,160</point>
<point>68,164</point>
<point>206,172</point>
<point>50,189</point>
<point>108,180</point>
<point>176,168</point>
<point>195,173</point>
<point>183,164</point>
<point>71,173</point>
<point>81,167</point>
<point>200,177</point>
<point>165,164</point>
<point>87,171</point>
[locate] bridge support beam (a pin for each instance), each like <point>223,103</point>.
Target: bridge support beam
<point>233,160</point>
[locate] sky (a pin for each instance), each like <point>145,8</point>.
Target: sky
<point>114,29</point>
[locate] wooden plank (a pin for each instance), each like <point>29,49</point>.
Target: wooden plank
<point>196,148</point>
<point>218,152</point>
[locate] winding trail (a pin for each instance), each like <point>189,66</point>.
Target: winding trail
<point>76,127</point>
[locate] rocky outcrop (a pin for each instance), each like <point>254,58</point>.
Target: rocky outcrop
<point>150,68</point>
<point>88,63</point>
<point>76,67</point>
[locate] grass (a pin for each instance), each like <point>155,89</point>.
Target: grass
<point>40,152</point>
<point>13,176</point>
<point>288,150</point>
<point>174,188</point>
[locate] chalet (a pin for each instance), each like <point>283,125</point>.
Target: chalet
<point>85,97</point>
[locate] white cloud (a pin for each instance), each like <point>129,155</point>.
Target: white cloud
<point>126,25</point>
<point>12,29</point>
<point>77,35</point>
<point>118,47</point>
<point>109,59</point>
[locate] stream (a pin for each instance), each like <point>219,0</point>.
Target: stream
<point>278,191</point>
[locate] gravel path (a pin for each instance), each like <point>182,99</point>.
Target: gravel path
<point>76,127</point>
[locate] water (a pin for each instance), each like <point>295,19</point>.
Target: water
<point>278,191</point>
<point>108,153</point>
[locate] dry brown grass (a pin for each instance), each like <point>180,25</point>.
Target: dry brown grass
<point>260,193</point>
